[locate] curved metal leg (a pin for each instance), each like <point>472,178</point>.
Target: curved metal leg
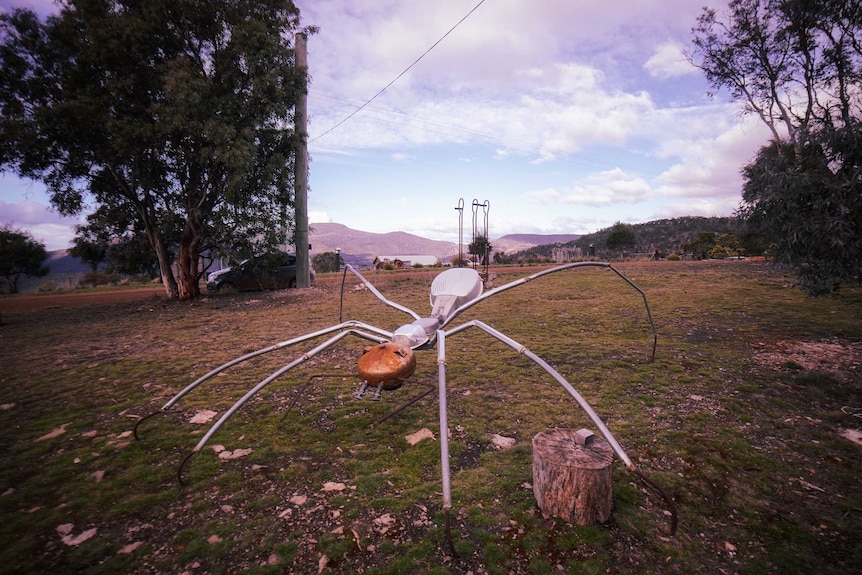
<point>603,429</point>
<point>348,325</point>
<point>272,377</point>
<point>597,421</point>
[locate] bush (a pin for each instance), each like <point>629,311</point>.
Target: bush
<point>95,279</point>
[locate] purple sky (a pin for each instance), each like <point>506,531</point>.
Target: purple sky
<point>565,115</point>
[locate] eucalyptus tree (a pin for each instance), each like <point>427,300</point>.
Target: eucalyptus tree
<point>797,65</point>
<point>173,114</point>
<point>620,237</point>
<point>20,255</point>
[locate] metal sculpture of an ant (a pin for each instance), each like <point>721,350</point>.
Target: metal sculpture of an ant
<point>392,359</point>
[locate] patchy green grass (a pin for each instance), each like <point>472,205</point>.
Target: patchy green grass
<point>739,418</point>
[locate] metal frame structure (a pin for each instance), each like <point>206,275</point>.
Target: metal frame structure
<point>452,292</point>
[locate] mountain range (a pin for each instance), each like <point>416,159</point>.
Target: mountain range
<point>358,247</point>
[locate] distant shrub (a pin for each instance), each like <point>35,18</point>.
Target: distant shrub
<point>673,257</point>
<point>48,286</point>
<point>95,279</point>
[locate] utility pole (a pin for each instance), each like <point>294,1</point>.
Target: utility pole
<point>300,237</point>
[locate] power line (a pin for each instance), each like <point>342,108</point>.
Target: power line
<point>398,77</point>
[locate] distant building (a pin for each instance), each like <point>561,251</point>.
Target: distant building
<point>403,262</point>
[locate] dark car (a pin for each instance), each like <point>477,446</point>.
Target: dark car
<point>270,271</point>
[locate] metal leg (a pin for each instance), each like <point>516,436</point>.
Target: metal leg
<point>444,420</point>
<point>361,391</point>
<point>253,391</point>
<point>444,437</point>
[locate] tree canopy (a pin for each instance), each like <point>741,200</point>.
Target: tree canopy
<point>171,117</point>
<point>620,237</point>
<point>481,248</point>
<point>20,255</point>
<point>797,65</point>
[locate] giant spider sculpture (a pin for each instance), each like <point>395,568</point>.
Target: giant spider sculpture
<point>392,360</point>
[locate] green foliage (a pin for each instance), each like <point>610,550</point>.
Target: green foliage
<point>480,247</point>
<point>20,255</point>
<point>326,262</point>
<point>701,246</point>
<point>811,213</point>
<point>620,237</point>
<point>500,258</point>
<point>726,246</point>
<point>669,235</point>
<point>170,116</point>
<point>798,66</point>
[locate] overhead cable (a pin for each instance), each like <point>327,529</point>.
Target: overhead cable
<point>359,109</point>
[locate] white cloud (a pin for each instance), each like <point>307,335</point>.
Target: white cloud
<point>319,217</point>
<point>668,61</point>
<point>609,187</point>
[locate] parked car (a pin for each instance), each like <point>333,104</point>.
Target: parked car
<point>271,271</point>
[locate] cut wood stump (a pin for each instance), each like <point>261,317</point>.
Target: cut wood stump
<point>572,475</point>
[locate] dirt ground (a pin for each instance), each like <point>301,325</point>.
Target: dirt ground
<point>28,303</point>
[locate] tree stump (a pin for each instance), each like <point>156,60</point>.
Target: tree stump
<point>572,475</point>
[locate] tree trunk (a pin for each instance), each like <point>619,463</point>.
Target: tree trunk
<point>165,270</point>
<point>572,475</point>
<point>187,263</point>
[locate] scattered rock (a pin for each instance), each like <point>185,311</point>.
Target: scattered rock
<point>415,438</point>
<point>333,486</point>
<point>853,435</point>
<point>129,548</point>
<point>385,519</point>
<point>7,406</point>
<point>234,454</point>
<point>58,431</point>
<point>213,539</point>
<point>203,416</point>
<point>300,499</point>
<point>65,531</point>
<point>501,442</point>
<point>97,476</point>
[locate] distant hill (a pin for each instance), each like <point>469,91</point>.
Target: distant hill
<point>359,248</point>
<point>65,271</point>
<point>512,243</point>
<point>668,236</point>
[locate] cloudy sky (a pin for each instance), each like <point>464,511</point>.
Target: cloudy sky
<point>566,116</point>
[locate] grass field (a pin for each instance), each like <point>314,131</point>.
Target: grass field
<point>746,417</point>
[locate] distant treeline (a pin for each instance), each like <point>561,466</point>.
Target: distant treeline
<point>668,236</point>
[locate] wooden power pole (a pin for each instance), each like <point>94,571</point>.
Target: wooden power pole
<point>300,237</point>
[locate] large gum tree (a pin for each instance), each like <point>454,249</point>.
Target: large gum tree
<point>175,115</point>
<point>797,65</point>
